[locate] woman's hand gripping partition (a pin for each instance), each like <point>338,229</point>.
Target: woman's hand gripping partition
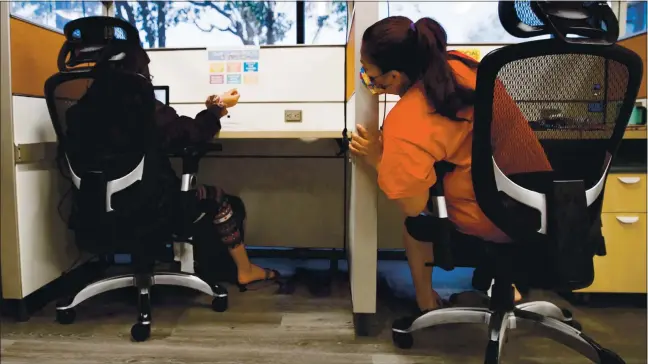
<point>367,145</point>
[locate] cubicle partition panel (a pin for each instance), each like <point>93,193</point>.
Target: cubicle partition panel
<point>9,246</point>
<point>363,229</point>
<point>44,245</point>
<point>288,172</point>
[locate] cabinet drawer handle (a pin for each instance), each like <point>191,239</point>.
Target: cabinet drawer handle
<point>629,180</point>
<point>627,219</point>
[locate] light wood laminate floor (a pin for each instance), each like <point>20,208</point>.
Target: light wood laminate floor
<point>261,327</point>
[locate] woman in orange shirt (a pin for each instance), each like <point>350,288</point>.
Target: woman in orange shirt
<point>432,122</point>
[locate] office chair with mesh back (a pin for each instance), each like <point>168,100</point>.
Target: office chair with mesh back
<point>575,95</point>
<point>123,202</point>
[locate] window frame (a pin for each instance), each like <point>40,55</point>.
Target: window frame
<point>108,9</point>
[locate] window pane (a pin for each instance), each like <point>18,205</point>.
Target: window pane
<point>326,22</point>
<point>635,18</point>
<point>464,22</point>
<point>179,24</point>
<point>54,14</point>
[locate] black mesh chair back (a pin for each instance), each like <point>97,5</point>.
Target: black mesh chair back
<point>104,121</point>
<point>126,196</point>
<point>549,116</point>
<point>103,113</point>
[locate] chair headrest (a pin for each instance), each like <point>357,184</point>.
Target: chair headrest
<point>100,30</point>
<point>96,39</point>
<point>593,22</point>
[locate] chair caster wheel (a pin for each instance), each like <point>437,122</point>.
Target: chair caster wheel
<point>65,317</point>
<point>140,332</point>
<point>402,340</point>
<point>219,303</point>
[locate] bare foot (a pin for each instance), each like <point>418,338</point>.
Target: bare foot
<point>517,295</point>
<point>434,304</point>
<point>254,273</point>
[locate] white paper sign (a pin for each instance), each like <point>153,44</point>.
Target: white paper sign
<point>233,66</point>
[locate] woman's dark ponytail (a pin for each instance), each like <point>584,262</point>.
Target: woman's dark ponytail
<point>442,90</point>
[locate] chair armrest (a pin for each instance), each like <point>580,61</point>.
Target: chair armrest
<point>191,156</point>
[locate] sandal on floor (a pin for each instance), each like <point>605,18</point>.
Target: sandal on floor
<point>272,277</point>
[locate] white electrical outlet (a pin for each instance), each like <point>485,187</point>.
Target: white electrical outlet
<point>292,116</point>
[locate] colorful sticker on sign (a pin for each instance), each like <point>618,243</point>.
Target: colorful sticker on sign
<point>217,67</point>
<point>233,67</point>
<point>217,79</point>
<point>234,79</point>
<point>251,78</point>
<point>251,67</point>
<point>230,66</point>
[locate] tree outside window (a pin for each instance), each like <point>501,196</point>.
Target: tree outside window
<point>326,22</point>
<point>213,23</point>
<point>54,14</point>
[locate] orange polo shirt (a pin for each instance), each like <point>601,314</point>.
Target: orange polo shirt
<point>414,138</point>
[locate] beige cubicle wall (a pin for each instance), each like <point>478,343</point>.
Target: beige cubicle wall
<point>362,108</point>
<point>36,245</point>
<point>10,255</point>
<point>292,202</point>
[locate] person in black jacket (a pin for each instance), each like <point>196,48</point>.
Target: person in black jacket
<point>228,211</point>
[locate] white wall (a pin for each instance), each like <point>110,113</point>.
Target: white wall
<point>290,202</point>
<point>46,245</point>
<point>310,79</point>
<point>32,121</point>
<point>319,119</point>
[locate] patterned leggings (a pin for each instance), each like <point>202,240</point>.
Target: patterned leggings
<point>226,211</point>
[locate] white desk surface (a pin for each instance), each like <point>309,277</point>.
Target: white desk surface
<point>278,134</point>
